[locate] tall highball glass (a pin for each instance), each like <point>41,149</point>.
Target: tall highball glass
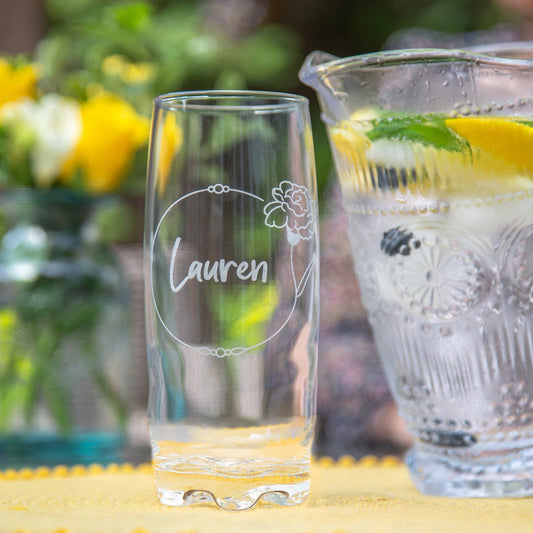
<point>231,269</point>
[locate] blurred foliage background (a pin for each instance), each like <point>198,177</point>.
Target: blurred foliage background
<point>139,49</point>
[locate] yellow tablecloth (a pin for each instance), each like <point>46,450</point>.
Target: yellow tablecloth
<point>369,496</point>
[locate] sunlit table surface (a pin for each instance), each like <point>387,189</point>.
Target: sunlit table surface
<point>367,496</point>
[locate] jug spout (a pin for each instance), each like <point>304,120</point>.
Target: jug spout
<point>312,62</point>
<point>316,72</point>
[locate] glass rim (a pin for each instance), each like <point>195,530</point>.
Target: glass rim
<point>506,47</point>
<point>203,101</point>
<point>319,63</point>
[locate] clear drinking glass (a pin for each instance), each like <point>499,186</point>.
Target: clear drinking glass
<point>231,269</point>
<point>433,149</point>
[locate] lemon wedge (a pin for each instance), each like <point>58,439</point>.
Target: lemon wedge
<point>348,141</point>
<point>503,138</point>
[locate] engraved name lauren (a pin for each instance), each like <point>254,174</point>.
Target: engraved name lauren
<point>218,270</point>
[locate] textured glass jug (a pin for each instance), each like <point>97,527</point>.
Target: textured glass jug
<point>433,149</point>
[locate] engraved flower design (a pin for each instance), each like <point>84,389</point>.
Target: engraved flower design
<point>292,208</point>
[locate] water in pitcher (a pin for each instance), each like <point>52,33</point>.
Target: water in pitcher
<point>440,210</point>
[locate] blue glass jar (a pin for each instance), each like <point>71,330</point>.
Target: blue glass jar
<point>64,333</point>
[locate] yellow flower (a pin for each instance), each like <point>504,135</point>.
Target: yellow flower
<point>112,133</point>
<point>171,141</point>
<point>129,71</point>
<point>16,82</point>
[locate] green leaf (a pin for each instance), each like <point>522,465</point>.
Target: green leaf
<point>416,129</point>
<point>244,317</point>
<point>56,396</point>
<point>111,396</point>
<point>132,16</point>
<point>528,123</point>
<point>10,398</point>
<point>229,130</point>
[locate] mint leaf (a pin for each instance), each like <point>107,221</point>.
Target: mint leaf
<point>417,129</point>
<point>528,123</point>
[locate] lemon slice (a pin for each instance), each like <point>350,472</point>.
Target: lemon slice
<point>503,138</point>
<point>349,138</point>
<point>348,141</point>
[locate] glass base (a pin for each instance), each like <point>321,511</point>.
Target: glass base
<point>41,449</point>
<point>282,494</point>
<point>488,474</point>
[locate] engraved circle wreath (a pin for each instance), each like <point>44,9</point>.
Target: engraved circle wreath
<point>291,208</point>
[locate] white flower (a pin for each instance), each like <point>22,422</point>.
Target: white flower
<point>54,124</point>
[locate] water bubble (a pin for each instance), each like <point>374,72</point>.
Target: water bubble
<point>495,307</point>
<point>444,207</point>
<point>525,418</point>
<point>523,401</point>
<point>513,435</point>
<point>511,419</point>
<point>426,328</point>
<point>445,331</point>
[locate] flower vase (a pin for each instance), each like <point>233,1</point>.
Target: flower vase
<point>64,341</point>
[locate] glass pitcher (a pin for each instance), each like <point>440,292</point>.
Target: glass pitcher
<point>434,153</point>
